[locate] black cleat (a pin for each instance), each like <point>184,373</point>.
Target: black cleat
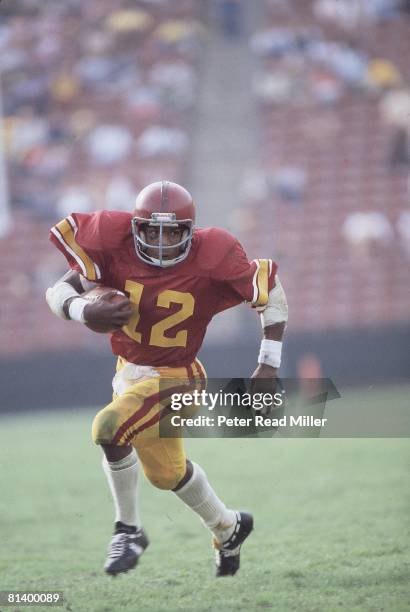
<point>126,547</point>
<point>228,553</point>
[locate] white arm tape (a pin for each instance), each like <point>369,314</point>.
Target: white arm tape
<point>270,353</point>
<point>57,295</point>
<point>276,310</point>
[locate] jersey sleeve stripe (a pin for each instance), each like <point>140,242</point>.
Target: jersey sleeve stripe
<point>65,232</point>
<point>58,236</point>
<point>254,282</point>
<point>201,371</point>
<point>75,228</point>
<point>261,282</point>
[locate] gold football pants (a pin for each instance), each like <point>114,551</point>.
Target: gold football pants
<point>134,417</point>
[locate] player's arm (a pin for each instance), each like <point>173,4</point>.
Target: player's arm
<point>84,239</point>
<point>258,284</point>
<point>274,316</point>
<point>65,300</point>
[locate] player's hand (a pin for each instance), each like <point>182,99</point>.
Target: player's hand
<point>264,371</point>
<point>263,380</point>
<point>104,312</point>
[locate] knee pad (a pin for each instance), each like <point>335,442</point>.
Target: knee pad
<point>105,426</point>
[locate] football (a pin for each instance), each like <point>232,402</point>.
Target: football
<point>95,294</point>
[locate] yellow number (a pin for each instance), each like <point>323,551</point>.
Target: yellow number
<point>165,299</point>
<point>135,291</point>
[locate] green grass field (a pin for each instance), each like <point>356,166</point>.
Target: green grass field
<point>332,523</point>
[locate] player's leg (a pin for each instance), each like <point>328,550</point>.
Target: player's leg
<point>129,540</point>
<point>229,527</point>
<point>165,465</point>
<point>136,409</point>
<point>196,492</point>
<point>120,464</point>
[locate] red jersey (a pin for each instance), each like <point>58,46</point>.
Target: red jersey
<point>172,306</point>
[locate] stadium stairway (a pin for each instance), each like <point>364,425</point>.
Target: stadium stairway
<point>224,138</point>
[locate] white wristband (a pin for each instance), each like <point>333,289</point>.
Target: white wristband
<point>270,353</point>
<point>76,309</point>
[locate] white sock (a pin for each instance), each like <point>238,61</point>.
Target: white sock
<point>198,494</point>
<point>122,478</point>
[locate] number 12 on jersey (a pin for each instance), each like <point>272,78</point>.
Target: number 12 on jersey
<point>164,300</point>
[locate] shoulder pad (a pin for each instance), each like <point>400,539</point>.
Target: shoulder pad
<point>214,243</point>
<point>114,228</point>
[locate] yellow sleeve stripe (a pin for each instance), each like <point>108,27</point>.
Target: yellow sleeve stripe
<point>65,232</point>
<point>261,282</point>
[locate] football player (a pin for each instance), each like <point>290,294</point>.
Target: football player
<point>177,277</point>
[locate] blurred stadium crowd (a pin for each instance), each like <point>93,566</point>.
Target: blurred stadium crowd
<point>332,189</point>
<point>93,93</point>
<point>99,100</point>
